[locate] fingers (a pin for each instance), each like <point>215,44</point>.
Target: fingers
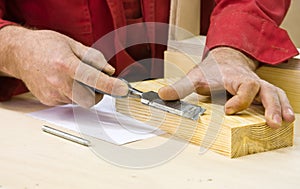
<point>178,90</point>
<point>84,96</point>
<point>245,94</point>
<point>94,78</point>
<point>277,106</point>
<point>92,57</point>
<point>79,94</point>
<point>286,108</point>
<point>194,81</point>
<point>271,102</point>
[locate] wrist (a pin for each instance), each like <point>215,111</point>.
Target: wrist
<point>228,55</point>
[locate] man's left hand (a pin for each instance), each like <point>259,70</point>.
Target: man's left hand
<point>229,69</point>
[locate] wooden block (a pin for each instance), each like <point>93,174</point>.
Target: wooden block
<point>185,15</point>
<point>178,64</point>
<point>285,76</point>
<point>232,136</point>
<point>291,22</point>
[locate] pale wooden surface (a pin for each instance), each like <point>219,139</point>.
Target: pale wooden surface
<point>30,158</point>
<point>233,136</point>
<point>180,28</point>
<point>291,22</point>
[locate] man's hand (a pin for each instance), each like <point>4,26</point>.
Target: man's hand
<point>231,70</point>
<point>52,65</point>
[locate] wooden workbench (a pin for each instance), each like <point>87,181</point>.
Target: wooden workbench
<point>30,158</point>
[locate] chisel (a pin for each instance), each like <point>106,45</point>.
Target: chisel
<point>152,99</point>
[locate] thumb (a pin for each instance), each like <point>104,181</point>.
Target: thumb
<point>194,81</point>
<point>245,95</point>
<point>178,90</point>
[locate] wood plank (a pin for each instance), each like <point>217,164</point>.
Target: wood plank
<point>285,76</point>
<point>233,136</point>
<point>184,25</point>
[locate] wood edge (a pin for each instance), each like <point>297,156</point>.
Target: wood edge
<point>251,140</point>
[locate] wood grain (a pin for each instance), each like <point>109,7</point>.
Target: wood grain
<point>233,136</point>
<point>285,76</point>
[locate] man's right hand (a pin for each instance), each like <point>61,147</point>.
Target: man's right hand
<point>52,65</point>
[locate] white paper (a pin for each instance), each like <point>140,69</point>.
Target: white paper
<point>298,57</point>
<point>101,122</point>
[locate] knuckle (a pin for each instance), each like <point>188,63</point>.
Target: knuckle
<point>88,78</point>
<point>48,101</point>
<point>54,81</point>
<point>281,92</point>
<point>231,86</point>
<point>199,83</point>
<point>274,105</point>
<point>59,64</point>
<point>85,74</point>
<point>268,85</point>
<point>244,104</point>
<point>253,84</point>
<point>65,65</point>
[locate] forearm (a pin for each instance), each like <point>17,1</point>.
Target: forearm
<point>10,85</point>
<point>11,39</point>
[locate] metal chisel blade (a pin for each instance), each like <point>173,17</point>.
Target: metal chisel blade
<point>177,107</point>
<point>152,99</point>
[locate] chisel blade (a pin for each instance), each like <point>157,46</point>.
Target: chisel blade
<point>152,99</point>
<point>177,107</point>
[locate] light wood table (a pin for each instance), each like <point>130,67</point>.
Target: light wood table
<point>30,158</point>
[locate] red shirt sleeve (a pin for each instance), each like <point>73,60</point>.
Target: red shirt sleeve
<point>2,13</point>
<point>252,26</point>
<point>8,86</point>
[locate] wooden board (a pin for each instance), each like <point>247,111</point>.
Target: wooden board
<point>291,22</point>
<point>285,76</point>
<point>185,24</point>
<point>232,136</point>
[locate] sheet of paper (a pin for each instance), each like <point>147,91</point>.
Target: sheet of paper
<point>298,57</point>
<point>102,122</point>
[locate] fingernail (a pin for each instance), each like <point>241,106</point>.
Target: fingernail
<point>162,93</point>
<point>121,89</point>
<point>229,111</point>
<point>290,112</point>
<point>277,119</point>
<point>167,93</point>
<point>111,70</point>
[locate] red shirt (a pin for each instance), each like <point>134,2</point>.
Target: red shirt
<point>249,25</point>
